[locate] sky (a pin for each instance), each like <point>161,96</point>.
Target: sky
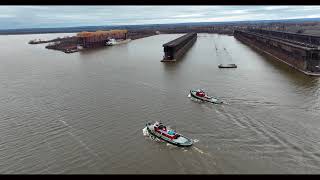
<point>15,17</point>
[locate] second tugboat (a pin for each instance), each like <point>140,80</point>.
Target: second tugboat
<point>201,95</point>
<point>227,66</point>
<point>158,130</point>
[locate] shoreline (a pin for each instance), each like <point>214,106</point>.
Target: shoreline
<point>73,44</point>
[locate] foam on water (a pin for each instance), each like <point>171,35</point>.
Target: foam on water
<point>202,152</point>
<point>198,150</point>
<point>194,99</point>
<point>145,132</point>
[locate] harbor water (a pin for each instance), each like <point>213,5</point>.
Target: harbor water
<point>84,112</point>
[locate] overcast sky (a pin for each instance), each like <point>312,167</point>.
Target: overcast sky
<point>12,17</point>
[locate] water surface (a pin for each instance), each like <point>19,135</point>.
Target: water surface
<point>84,112</point>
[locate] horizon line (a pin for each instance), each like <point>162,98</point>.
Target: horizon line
<point>161,24</point>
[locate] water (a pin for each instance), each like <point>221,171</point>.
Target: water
<point>84,112</point>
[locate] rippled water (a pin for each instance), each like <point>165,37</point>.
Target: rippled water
<point>84,112</point>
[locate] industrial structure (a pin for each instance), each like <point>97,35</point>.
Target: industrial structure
<point>301,52</point>
<point>176,48</point>
<point>99,38</point>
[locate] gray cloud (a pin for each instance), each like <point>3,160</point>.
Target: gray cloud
<point>66,16</point>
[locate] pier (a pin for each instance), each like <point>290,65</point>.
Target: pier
<point>175,49</point>
<point>99,38</point>
<point>301,52</point>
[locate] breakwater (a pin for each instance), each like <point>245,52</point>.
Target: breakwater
<point>301,52</point>
<point>174,49</point>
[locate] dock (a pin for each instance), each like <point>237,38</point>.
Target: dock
<point>302,52</point>
<point>175,49</point>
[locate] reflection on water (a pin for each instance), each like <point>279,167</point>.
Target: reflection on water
<point>83,112</point>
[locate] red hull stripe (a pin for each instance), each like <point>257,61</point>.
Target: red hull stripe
<point>164,134</point>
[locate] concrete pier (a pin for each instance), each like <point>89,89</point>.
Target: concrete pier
<point>175,49</point>
<point>301,52</point>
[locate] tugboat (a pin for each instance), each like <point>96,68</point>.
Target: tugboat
<point>158,130</point>
<point>227,66</point>
<point>201,95</point>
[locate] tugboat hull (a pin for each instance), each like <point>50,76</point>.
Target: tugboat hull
<point>181,141</point>
<point>208,99</point>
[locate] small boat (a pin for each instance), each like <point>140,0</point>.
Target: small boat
<point>227,66</point>
<point>158,130</point>
<point>200,94</point>
<point>111,42</point>
<point>71,51</point>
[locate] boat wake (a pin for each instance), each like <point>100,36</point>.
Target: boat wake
<point>145,131</point>
<point>195,140</point>
<point>198,150</point>
<point>208,155</point>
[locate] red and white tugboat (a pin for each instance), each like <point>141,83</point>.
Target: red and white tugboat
<point>201,95</point>
<point>158,130</point>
